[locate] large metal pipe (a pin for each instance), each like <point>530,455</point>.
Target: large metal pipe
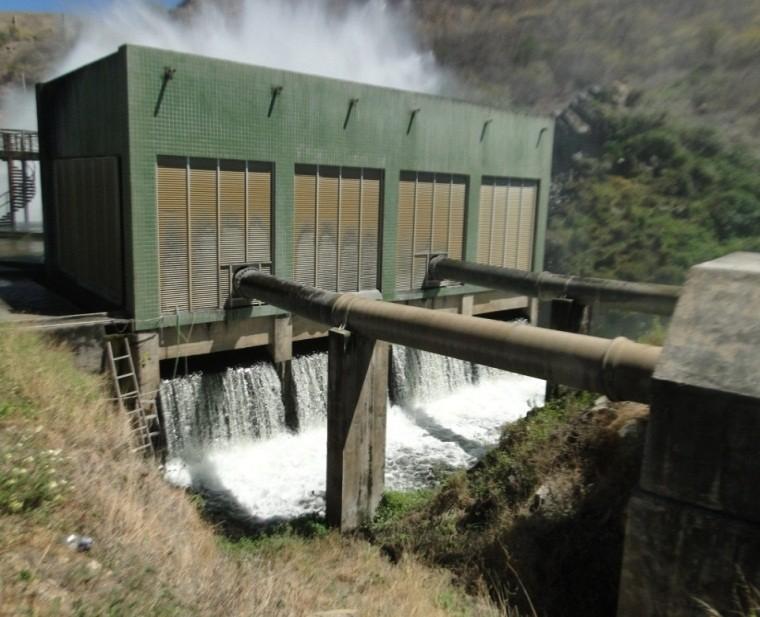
<point>619,368</point>
<point>637,297</point>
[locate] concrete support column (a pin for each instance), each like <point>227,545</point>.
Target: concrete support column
<point>145,355</point>
<point>466,304</point>
<point>693,530</point>
<point>281,339</point>
<point>356,417</point>
<point>281,350</point>
<point>567,315</point>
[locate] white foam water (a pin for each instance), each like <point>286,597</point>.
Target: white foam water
<point>446,413</point>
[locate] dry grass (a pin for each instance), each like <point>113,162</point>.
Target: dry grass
<point>152,553</point>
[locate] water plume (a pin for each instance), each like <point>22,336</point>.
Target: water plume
<point>366,42</point>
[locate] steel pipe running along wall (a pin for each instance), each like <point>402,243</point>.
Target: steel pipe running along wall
<point>637,297</point>
<point>619,368</point>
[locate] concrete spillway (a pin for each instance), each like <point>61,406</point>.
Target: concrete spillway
<point>228,438</point>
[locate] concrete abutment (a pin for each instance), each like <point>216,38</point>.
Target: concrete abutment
<point>693,531</point>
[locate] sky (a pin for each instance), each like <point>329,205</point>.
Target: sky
<point>62,6</point>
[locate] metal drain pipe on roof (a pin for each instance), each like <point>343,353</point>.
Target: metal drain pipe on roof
<point>619,368</point>
<point>637,297</point>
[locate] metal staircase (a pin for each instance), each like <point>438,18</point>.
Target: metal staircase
<point>142,413</point>
<point>22,183</point>
<point>20,150</point>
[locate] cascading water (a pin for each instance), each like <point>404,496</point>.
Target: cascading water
<point>227,434</point>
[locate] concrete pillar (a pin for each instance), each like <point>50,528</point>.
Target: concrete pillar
<point>567,315</point>
<point>356,416</point>
<point>466,304</point>
<point>534,311</point>
<point>281,350</point>
<point>281,339</point>
<point>145,355</point>
<point>693,526</point>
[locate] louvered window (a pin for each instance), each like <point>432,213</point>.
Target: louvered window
<point>88,216</point>
<point>506,222</point>
<point>212,215</point>
<point>335,237</point>
<point>431,211</point>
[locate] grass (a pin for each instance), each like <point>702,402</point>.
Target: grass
<point>153,554</point>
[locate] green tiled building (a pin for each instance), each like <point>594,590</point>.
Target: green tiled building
<point>164,172</point>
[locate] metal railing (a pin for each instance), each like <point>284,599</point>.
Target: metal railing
<point>619,368</point>
<point>19,143</point>
<point>637,297</point>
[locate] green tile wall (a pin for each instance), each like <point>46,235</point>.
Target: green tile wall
<point>219,109</point>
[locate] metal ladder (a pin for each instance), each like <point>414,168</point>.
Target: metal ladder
<point>143,416</point>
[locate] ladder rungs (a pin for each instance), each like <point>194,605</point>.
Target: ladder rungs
<point>125,375</point>
<point>130,394</point>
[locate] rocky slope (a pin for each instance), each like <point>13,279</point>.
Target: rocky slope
<point>540,520</point>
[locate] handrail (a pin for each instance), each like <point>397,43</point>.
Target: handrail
<point>638,297</point>
<point>619,368</point>
<point>19,141</point>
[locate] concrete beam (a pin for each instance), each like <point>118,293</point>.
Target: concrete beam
<point>356,418</point>
<point>694,526</point>
<point>146,356</point>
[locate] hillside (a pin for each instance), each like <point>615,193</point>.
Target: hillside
<point>695,58</point>
<point>639,196</point>
<point>28,44</point>
<point>66,469</point>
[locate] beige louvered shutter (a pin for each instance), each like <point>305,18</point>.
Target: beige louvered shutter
<point>231,219</point>
<point>171,190</point>
<point>369,230</point>
<point>259,214</point>
<point>498,229</point>
<point>305,199</point>
<point>441,215</point>
<point>456,218</point>
<point>528,200</point>
<point>327,228</point>
<point>422,228</point>
<point>349,219</point>
<point>204,277</point>
<point>405,233</point>
<point>484,223</point>
<point>513,225</point>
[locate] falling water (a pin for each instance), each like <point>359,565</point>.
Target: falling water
<point>227,434</point>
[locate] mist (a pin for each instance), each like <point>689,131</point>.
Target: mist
<point>366,42</point>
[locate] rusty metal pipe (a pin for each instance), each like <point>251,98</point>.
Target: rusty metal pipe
<point>619,368</point>
<point>637,297</point>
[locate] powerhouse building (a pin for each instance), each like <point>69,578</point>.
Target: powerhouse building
<point>164,172</point>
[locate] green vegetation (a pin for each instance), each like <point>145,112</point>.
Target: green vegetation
<point>652,200</point>
<point>30,477</point>
<point>539,521</point>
